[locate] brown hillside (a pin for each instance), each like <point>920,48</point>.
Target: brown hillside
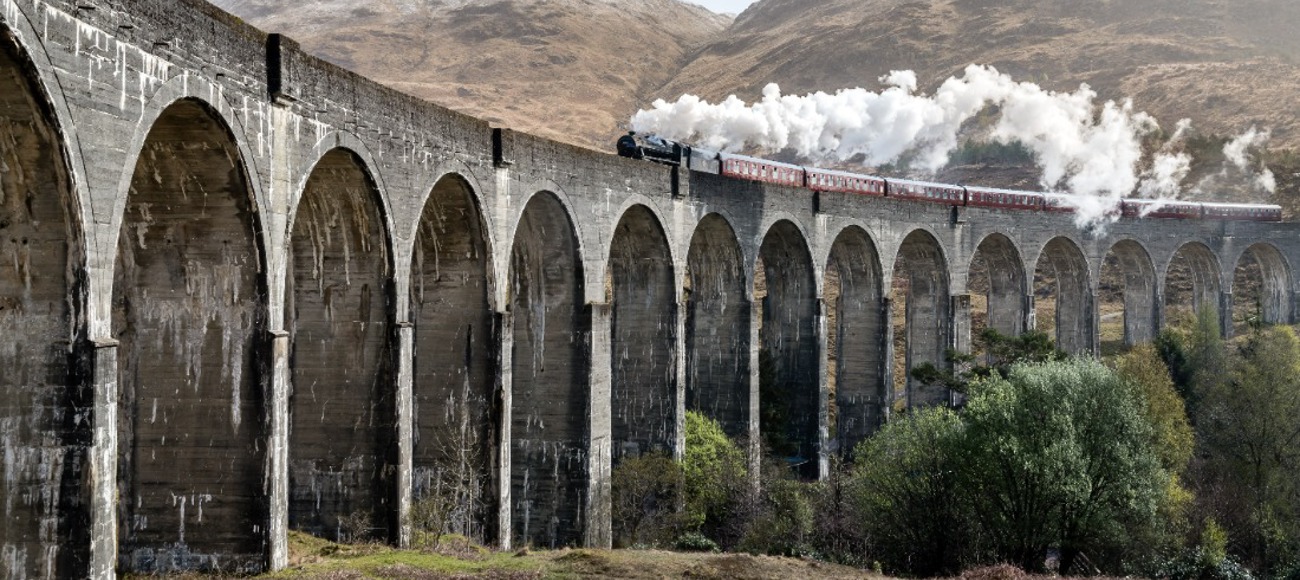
<point>576,69</point>
<point>1226,64</point>
<point>573,70</point>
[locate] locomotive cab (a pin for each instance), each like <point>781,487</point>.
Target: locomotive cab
<point>627,146</point>
<point>651,147</point>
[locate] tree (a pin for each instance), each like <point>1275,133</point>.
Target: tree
<point>1172,436</point>
<point>1172,440</point>
<point>908,493</point>
<point>1059,456</point>
<point>1249,427</point>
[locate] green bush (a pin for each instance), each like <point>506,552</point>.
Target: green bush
<point>696,542</point>
<point>715,476</point>
<point>907,489</point>
<point>1059,456</point>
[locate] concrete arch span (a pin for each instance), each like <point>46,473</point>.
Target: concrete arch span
<point>997,281</point>
<point>855,331</point>
<point>1261,287</point>
<point>457,415</point>
<point>718,319</point>
<point>1063,300</point>
<point>42,289</point>
<point>921,317</point>
<point>341,405</point>
<point>189,307</point>
<point>790,399</point>
<point>550,367</point>
<point>643,302</point>
<point>1191,283</point>
<point>1128,283</point>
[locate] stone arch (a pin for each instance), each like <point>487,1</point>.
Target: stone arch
<point>922,311</point>
<point>855,328</point>
<point>42,279</point>
<point>341,405</point>
<point>457,420</point>
<point>997,279</point>
<point>1128,271</point>
<point>789,397</point>
<point>644,336</point>
<point>189,307</point>
<point>550,402</point>
<point>1191,282</point>
<point>1063,295</point>
<point>460,172</point>
<point>191,88</point>
<point>718,327</point>
<point>1261,286</point>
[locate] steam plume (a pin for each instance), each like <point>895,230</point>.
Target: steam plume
<point>1092,150</point>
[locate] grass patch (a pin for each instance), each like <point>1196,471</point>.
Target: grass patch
<point>454,557</point>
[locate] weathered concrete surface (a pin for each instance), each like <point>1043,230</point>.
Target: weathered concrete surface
<point>788,404</point>
<point>861,398</point>
<point>717,328</point>
<point>643,327</point>
<point>924,268</point>
<point>456,438</point>
<point>343,405</point>
<point>549,379</point>
<point>226,226</point>
<point>188,309</point>
<point>43,419</point>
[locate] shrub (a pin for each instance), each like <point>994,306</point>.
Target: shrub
<point>715,476</point>
<point>647,500</point>
<point>838,533</point>
<point>908,493</point>
<point>696,542</point>
<point>782,522</point>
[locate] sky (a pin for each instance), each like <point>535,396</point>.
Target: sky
<point>724,6</point>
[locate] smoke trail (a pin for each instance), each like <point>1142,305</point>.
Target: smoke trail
<point>1237,153</point>
<point>1091,150</point>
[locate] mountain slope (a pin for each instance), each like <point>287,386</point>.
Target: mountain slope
<point>1224,63</point>
<point>572,70</point>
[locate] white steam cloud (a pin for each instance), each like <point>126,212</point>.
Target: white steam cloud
<point>1091,150</point>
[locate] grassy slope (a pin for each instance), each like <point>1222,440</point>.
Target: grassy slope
<point>313,558</point>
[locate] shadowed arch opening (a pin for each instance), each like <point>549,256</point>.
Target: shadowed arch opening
<point>1126,295</point>
<point>855,328</point>
<point>997,286</point>
<point>921,312</point>
<point>189,306</point>
<point>1191,283</point>
<point>40,276</point>
<point>549,374</point>
<point>342,404</point>
<point>789,389</point>
<point>1261,288</point>
<point>644,330</point>
<point>457,420</point>
<point>717,327</point>
<point>1062,296</point>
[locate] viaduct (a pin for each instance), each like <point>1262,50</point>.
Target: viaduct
<point>244,291</point>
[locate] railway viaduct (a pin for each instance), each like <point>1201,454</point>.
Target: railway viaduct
<point>244,291</point>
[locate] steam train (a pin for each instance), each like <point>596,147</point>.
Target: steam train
<point>666,151</point>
